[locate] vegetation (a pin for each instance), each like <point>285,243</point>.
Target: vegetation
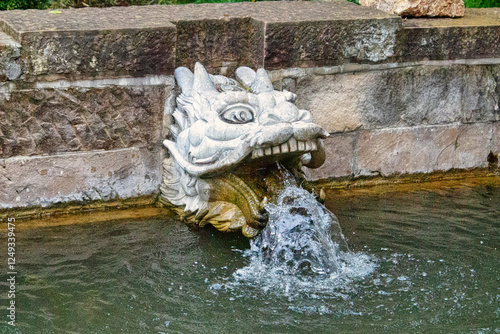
<point>23,4</point>
<point>43,4</point>
<point>482,3</point>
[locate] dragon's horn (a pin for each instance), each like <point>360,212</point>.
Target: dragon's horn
<point>245,76</point>
<point>184,78</point>
<point>202,82</point>
<point>262,83</point>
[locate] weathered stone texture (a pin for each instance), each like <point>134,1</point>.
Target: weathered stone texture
<point>474,36</point>
<point>339,149</point>
<point>138,41</point>
<point>214,42</point>
<point>423,149</point>
<point>418,8</point>
<point>104,175</point>
<point>326,43</point>
<point>10,51</point>
<point>100,53</point>
<point>409,96</point>
<point>495,142</point>
<point>48,121</point>
<point>91,42</point>
<point>496,75</point>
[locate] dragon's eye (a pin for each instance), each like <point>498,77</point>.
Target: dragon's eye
<point>237,114</point>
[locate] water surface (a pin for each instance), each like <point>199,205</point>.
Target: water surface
<point>434,257</point>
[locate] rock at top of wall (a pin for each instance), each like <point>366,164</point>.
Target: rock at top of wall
<point>418,8</point>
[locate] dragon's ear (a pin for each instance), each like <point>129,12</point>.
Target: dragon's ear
<point>245,76</point>
<point>201,81</point>
<point>262,83</point>
<point>184,78</point>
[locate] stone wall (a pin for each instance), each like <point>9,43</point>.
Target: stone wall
<point>84,95</point>
<point>417,118</point>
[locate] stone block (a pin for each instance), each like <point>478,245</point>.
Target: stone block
<point>83,176</point>
<point>418,8</point>
<point>339,149</point>
<point>324,34</point>
<point>495,142</point>
<point>401,97</point>
<point>49,121</point>
<point>472,146</point>
<point>474,36</point>
<point>423,149</point>
<point>91,42</point>
<point>215,43</point>
<point>10,51</point>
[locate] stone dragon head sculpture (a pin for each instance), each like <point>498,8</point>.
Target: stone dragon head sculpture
<point>225,139</point>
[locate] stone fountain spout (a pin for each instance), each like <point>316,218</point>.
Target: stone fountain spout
<point>225,138</point>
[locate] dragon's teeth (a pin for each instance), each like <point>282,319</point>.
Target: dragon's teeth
<point>292,143</point>
<point>309,145</point>
<point>314,146</point>
<point>257,153</point>
<point>301,146</point>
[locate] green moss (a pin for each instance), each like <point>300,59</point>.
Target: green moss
<point>482,3</point>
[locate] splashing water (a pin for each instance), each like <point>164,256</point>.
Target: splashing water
<point>297,241</point>
<point>301,251</point>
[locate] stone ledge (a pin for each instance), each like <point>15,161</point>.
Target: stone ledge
<point>95,43</point>
<point>137,41</point>
<point>349,186</point>
<point>153,40</point>
<point>105,209</point>
<point>476,35</point>
<point>86,176</point>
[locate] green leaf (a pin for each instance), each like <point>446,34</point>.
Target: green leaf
<point>55,12</point>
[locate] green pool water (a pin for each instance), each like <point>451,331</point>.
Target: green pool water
<point>435,256</point>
